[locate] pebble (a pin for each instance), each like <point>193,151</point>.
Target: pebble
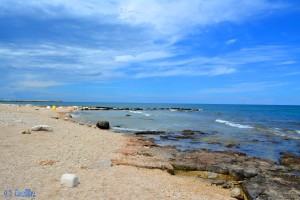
<point>212,175</point>
<point>26,132</point>
<point>236,193</point>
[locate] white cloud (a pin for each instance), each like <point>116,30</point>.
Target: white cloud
<point>176,17</point>
<point>152,55</point>
<point>288,62</point>
<point>201,71</point>
<point>231,41</point>
<point>245,87</point>
<point>71,63</point>
<point>171,18</point>
<point>38,84</point>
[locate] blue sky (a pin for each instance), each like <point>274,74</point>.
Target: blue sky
<point>165,51</point>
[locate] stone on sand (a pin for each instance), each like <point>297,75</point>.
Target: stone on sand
<point>26,132</point>
<point>236,193</point>
<point>42,128</point>
<point>69,180</point>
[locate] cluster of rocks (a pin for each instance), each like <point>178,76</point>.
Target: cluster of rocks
<point>135,109</point>
<point>247,177</point>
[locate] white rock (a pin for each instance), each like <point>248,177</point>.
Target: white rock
<point>212,175</point>
<point>48,107</point>
<point>236,193</point>
<point>42,128</point>
<point>69,180</point>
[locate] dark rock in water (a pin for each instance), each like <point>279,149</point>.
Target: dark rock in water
<point>103,124</point>
<point>127,115</point>
<point>149,132</point>
<point>290,160</point>
<point>211,142</point>
<point>168,137</point>
<point>135,109</point>
<point>232,145</point>
<point>191,132</point>
<point>188,132</point>
<point>183,136</point>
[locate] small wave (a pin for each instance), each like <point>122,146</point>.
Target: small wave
<point>285,133</point>
<point>233,124</point>
<point>128,129</point>
<point>173,110</point>
<point>137,112</point>
<point>140,112</point>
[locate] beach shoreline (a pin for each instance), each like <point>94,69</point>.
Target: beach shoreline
<point>36,161</point>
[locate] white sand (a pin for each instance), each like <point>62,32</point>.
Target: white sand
<point>37,161</point>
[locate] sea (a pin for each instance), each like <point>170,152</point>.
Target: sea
<point>257,130</point>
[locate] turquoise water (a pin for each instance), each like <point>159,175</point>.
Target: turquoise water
<point>257,130</point>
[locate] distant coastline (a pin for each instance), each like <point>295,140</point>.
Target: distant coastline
<point>9,100</point>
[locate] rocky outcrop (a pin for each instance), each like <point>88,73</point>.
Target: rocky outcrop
<point>254,178</point>
<point>290,160</point>
<point>268,185</point>
<point>103,124</point>
<point>149,133</point>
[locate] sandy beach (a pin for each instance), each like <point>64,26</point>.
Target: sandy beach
<point>37,161</point>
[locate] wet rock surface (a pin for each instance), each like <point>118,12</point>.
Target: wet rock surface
<point>290,160</point>
<point>257,178</point>
<point>149,133</point>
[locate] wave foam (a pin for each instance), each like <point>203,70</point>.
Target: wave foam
<point>128,129</point>
<point>285,133</point>
<point>233,124</point>
<point>139,112</point>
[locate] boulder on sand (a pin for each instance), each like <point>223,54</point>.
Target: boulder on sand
<point>42,128</point>
<point>103,124</point>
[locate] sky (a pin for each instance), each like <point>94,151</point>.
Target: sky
<point>158,51</point>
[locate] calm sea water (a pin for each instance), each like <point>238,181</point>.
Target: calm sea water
<point>257,130</point>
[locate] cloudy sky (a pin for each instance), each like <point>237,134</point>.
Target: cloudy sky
<point>189,51</point>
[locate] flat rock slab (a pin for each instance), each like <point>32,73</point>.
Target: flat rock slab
<point>42,128</point>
